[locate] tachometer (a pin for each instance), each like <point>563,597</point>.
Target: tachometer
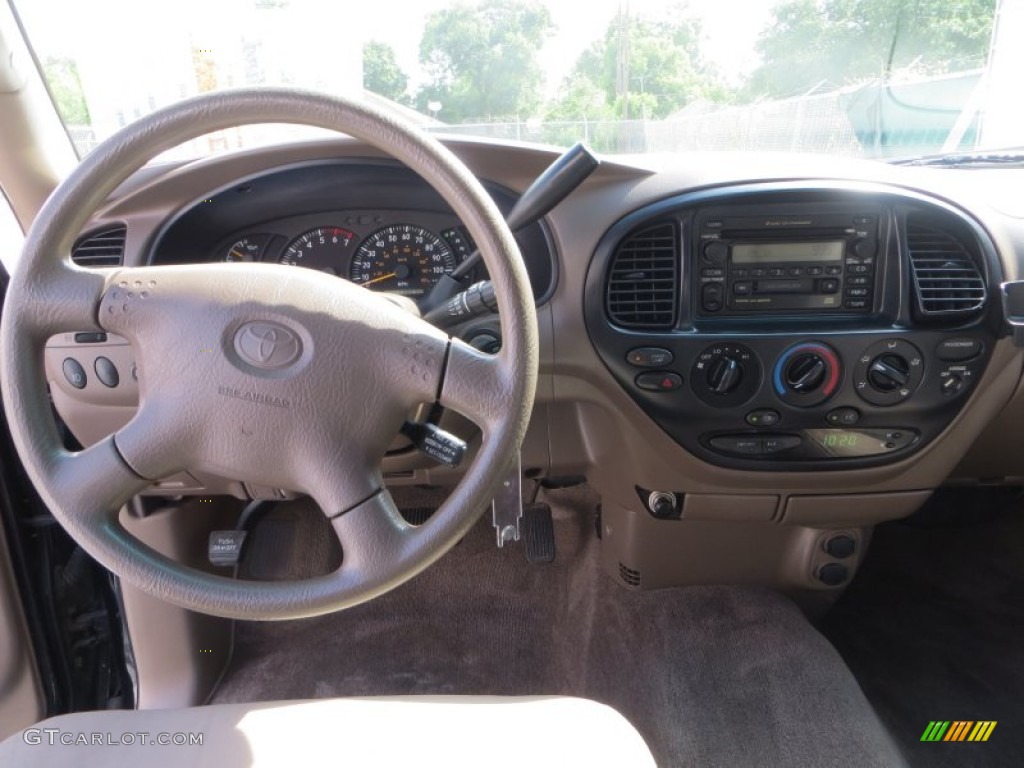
<point>402,258</point>
<point>322,248</point>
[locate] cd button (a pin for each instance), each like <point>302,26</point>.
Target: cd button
<point>776,272</point>
<point>834,270</point>
<point>796,271</point>
<point>815,271</point>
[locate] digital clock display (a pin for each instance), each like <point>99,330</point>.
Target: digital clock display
<point>839,439</point>
<point>855,443</point>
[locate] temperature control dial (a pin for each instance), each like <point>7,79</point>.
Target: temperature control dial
<point>726,375</point>
<point>888,372</point>
<point>807,374</point>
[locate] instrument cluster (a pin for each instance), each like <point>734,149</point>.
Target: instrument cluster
<point>393,251</point>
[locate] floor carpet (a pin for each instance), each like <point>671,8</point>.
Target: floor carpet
<point>711,676</point>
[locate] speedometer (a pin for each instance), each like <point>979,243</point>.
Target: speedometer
<point>402,258</point>
<point>323,248</point>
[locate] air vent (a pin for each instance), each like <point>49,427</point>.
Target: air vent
<point>102,248</point>
<point>947,279</point>
<point>630,576</point>
<point>643,281</point>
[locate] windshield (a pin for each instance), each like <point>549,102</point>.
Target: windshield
<point>873,78</point>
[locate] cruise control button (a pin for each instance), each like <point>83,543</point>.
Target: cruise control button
<point>659,381</point>
<point>649,357</point>
<point>958,349</point>
<point>843,417</point>
<point>74,373</point>
<point>763,417</point>
<point>106,372</point>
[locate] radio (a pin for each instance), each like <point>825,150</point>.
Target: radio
<point>751,259</point>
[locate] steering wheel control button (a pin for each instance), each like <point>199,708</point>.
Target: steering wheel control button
<point>807,374</point>
<point>840,546</point>
<point>726,375</point>
<point>267,345</point>
<point>833,574</point>
<point>106,372</point>
<point>958,349</point>
<point>888,372</point>
<point>763,417</point>
<point>843,417</point>
<point>74,373</point>
<point>91,338</point>
<point>649,357</point>
<point>440,445</point>
<point>659,381</point>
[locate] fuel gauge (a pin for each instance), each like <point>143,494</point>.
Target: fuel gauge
<point>248,248</point>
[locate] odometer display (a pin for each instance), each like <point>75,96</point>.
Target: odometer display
<point>402,258</point>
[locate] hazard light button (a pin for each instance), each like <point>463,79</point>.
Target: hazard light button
<point>659,381</point>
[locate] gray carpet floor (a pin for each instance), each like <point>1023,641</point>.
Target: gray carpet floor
<point>711,676</point>
<point>933,627</point>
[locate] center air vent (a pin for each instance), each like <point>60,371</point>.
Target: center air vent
<point>947,279</point>
<point>102,248</point>
<point>644,278</point>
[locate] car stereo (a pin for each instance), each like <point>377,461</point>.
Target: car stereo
<point>753,259</point>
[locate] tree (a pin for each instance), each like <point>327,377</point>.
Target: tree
<point>66,88</point>
<point>481,60</point>
<point>644,67</point>
<point>381,73</point>
<point>841,41</point>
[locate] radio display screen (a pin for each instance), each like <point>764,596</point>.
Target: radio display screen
<point>762,253</point>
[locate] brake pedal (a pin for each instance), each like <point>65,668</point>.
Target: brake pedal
<point>539,533</point>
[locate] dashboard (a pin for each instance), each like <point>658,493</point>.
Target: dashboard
<point>753,358</point>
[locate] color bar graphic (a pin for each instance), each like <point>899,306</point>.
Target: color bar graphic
<point>958,730</point>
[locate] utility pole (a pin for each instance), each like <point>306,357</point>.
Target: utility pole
<point>622,59</point>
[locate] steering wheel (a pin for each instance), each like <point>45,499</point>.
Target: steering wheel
<point>309,381</point>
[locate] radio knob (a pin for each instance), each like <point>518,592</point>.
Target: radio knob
<point>887,373</point>
<point>865,248</point>
<point>716,252</point>
<point>805,373</point>
<point>724,375</point>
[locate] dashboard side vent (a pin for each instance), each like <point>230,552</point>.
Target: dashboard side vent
<point>102,248</point>
<point>643,282</point>
<point>948,280</point>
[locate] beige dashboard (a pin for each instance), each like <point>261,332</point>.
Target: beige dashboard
<point>733,524</point>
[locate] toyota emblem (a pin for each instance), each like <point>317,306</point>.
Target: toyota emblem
<point>267,345</point>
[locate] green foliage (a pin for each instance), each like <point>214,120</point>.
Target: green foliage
<point>481,60</point>
<point>381,73</point>
<point>66,87</point>
<point>642,68</point>
<point>840,41</point>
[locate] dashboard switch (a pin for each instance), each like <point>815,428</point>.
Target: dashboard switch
<point>957,350</point>
<point>659,381</point>
<point>843,417</point>
<point>763,417</point>
<point>74,373</point>
<point>649,357</point>
<point>741,445</point>
<point>833,574</point>
<point>840,546</point>
<point>780,443</point>
<point>106,372</point>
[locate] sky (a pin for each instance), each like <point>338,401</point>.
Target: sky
<point>398,22</point>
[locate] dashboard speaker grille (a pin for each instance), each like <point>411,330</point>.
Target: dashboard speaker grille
<point>630,576</point>
<point>102,248</point>
<point>643,282</point>
<point>947,278</point>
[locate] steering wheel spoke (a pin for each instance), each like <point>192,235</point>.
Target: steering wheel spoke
<point>92,484</point>
<point>66,298</point>
<point>374,537</point>
<point>476,384</point>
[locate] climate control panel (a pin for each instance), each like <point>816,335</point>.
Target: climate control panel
<point>779,401</point>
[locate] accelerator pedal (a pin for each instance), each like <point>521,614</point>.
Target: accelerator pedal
<point>539,533</point>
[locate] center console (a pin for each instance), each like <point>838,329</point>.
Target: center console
<point>796,326</point>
